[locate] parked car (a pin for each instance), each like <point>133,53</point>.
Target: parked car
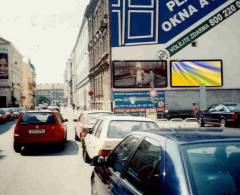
<point>109,131</point>
<point>8,114</point>
<point>163,123</point>
<point>3,115</point>
<point>171,162</point>
<point>39,127</point>
<point>176,123</point>
<point>191,123</point>
<point>86,120</point>
<point>221,115</point>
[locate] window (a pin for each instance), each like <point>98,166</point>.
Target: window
<point>95,127</point>
<point>120,154</point>
<point>211,165</point>
<point>99,130</point>
<point>119,129</point>
<point>143,164</point>
<point>38,118</point>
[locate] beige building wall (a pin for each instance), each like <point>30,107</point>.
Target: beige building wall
<point>12,86</point>
<point>28,83</point>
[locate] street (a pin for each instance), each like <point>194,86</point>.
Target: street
<point>43,171</point>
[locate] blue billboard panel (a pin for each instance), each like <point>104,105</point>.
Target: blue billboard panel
<point>136,22</point>
<point>138,101</point>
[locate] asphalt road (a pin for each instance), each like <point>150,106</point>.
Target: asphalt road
<point>43,171</point>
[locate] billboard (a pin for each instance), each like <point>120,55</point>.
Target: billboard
<point>135,22</point>
<point>194,73</point>
<point>3,64</point>
<point>139,74</point>
<point>137,101</point>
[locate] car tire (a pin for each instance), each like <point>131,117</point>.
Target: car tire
<point>222,123</point>
<point>17,147</point>
<point>86,156</point>
<point>76,137</point>
<point>202,123</point>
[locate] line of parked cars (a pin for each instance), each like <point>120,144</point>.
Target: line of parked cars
<point>9,114</point>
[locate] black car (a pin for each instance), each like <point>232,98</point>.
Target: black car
<point>221,115</point>
<point>175,162</point>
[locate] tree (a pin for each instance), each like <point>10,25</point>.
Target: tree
<point>43,99</point>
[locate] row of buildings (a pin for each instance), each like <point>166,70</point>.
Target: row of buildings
<point>17,77</point>
<point>130,56</point>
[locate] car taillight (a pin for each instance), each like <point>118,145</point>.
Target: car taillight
<point>234,116</point>
<point>16,131</point>
<point>104,152</point>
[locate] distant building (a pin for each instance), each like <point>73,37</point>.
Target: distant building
<point>29,84</point>
<point>11,63</point>
<point>54,92</point>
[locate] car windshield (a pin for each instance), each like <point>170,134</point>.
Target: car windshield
<point>119,129</point>
<point>234,108</point>
<point>38,118</point>
<point>92,118</point>
<point>213,168</point>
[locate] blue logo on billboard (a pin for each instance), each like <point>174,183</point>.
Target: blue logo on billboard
<point>136,22</point>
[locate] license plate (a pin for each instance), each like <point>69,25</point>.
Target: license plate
<point>36,131</point>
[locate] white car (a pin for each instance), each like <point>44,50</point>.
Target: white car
<point>191,123</point>
<point>176,123</point>
<point>109,131</point>
<point>163,123</point>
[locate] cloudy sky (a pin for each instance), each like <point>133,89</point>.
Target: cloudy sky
<point>44,31</point>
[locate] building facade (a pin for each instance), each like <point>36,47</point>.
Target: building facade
<point>53,92</point>
<point>97,14</point>
<point>29,85</point>
<point>11,62</point>
<point>152,53</point>
<point>80,67</point>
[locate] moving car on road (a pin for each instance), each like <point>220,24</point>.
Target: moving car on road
<point>86,120</point>
<point>171,162</point>
<point>221,115</point>
<point>109,131</point>
<point>39,127</point>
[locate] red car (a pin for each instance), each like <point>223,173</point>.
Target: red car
<point>39,127</point>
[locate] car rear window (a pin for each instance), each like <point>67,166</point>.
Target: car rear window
<point>213,168</point>
<point>120,129</point>
<point>92,117</point>
<point>38,118</point>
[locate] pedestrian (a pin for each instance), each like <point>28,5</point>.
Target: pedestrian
<point>73,106</point>
<point>195,110</point>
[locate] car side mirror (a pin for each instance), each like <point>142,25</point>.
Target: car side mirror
<point>99,161</point>
<point>74,120</point>
<point>90,130</point>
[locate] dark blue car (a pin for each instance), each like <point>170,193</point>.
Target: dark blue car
<point>197,161</point>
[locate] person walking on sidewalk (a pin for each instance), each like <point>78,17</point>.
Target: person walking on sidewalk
<point>73,106</point>
<point>195,110</point>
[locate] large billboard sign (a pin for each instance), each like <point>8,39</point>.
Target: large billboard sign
<point>194,73</point>
<point>136,22</point>
<point>138,101</point>
<point>139,74</point>
<point>3,64</point>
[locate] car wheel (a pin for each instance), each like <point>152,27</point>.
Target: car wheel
<point>17,147</point>
<point>76,137</point>
<point>93,187</point>
<point>223,123</point>
<point>202,123</point>
<point>85,156</point>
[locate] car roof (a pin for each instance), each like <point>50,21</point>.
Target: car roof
<point>40,111</point>
<point>196,135</point>
<point>125,118</point>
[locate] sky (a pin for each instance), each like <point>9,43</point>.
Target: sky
<point>44,31</point>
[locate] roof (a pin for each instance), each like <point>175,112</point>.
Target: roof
<point>197,135</point>
<point>126,118</point>
<point>40,111</point>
